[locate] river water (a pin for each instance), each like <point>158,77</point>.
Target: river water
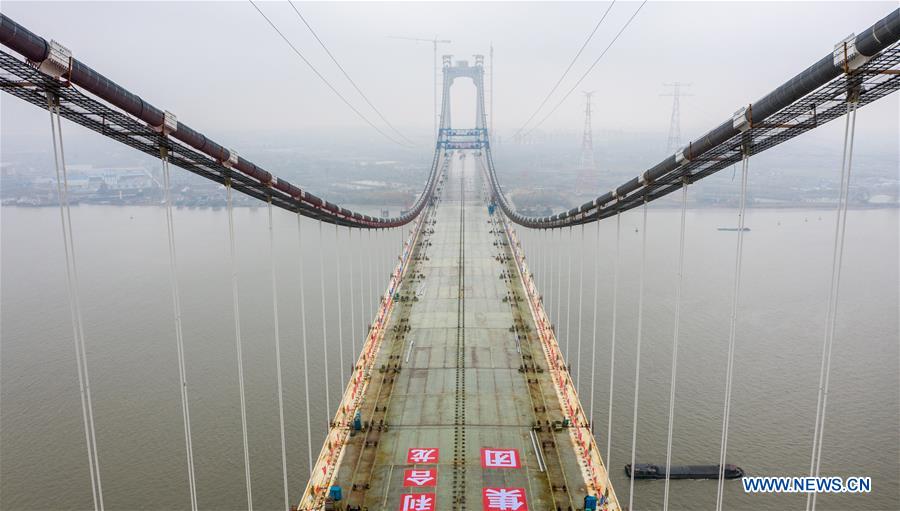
<point>127,307</point>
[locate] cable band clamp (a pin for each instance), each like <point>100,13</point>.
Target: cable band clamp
<point>232,159</point>
<point>742,120</point>
<point>58,62</point>
<point>846,56</point>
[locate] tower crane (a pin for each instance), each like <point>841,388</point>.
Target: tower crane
<point>435,42</point>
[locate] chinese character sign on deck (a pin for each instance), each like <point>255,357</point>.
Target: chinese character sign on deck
<point>503,499</point>
<point>422,477</point>
<point>417,502</point>
<point>422,455</point>
<point>499,458</point>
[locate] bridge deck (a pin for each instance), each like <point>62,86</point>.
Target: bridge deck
<point>450,375</point>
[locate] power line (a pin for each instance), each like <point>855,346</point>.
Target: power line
<point>566,72</point>
<point>347,76</point>
<point>594,64</point>
<point>325,80</point>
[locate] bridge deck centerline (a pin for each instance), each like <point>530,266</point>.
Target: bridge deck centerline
<point>456,378</point>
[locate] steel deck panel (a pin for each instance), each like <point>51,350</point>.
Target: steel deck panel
<point>422,404</point>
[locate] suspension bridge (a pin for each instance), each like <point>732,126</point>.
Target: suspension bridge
<point>459,396</point>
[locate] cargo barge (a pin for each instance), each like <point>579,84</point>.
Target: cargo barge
<point>649,471</point>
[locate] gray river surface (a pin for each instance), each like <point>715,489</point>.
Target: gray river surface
<point>128,317</point>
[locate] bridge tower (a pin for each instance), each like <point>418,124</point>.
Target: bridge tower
<point>462,69</point>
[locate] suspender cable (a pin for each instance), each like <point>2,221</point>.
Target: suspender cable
<point>568,300</point>
<point>340,311</point>
<point>84,383</point>
<point>551,281</point>
<point>612,349</point>
<point>352,301</point>
<point>388,259</point>
<point>371,284</point>
<point>539,255</point>
<point>831,315</point>
<point>637,358</point>
<point>559,266</point>
<point>580,310</point>
<point>385,264</point>
<point>179,335</point>
<point>362,286</point>
<point>551,264</point>
<point>546,272</point>
<point>745,163</point>
<point>531,250</point>
<point>287,503</point>
<point>678,282</point>
<point>237,342</point>
<point>324,329</point>
<point>303,339</point>
<point>379,263</point>
<point>379,267</point>
<point>542,260</point>
<point>594,340</point>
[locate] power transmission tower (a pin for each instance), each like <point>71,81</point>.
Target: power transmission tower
<point>586,178</point>
<point>674,141</point>
<point>587,139</point>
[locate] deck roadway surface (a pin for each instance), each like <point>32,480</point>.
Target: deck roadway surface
<point>452,378</point>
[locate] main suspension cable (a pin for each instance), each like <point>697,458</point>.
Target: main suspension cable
<point>179,334</point>
<point>566,72</point>
<point>303,340</point>
<point>637,358</point>
<point>589,69</point>
<point>84,385</point>
<point>831,315</point>
<point>237,340</point>
<point>347,76</point>
<point>287,503</point>
<point>325,80</point>
<point>732,330</point>
<point>679,278</point>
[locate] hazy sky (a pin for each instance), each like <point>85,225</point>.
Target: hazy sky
<point>222,69</point>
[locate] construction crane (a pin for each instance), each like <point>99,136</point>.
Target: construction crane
<point>435,42</point>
